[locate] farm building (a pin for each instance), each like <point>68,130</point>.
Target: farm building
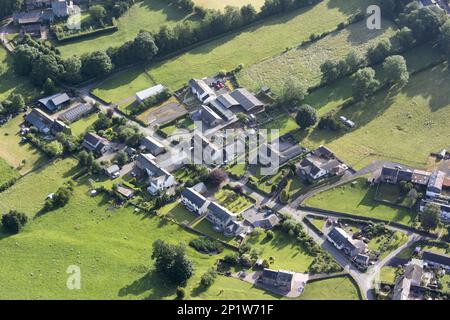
<point>201,90</point>
<point>55,102</point>
<point>77,112</point>
<point>44,123</point>
<point>152,145</point>
<point>143,95</point>
<point>209,117</point>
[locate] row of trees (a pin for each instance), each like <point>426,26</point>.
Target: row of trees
<point>7,7</point>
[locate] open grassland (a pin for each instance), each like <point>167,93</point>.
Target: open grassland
<point>403,127</point>
<point>29,193</point>
<point>221,4</point>
<point>246,47</point>
<point>11,83</point>
<point>287,254</point>
<point>16,154</point>
<point>111,246</point>
<point>358,199</point>
<point>341,288</point>
<point>304,62</point>
<point>7,173</point>
<point>146,15</point>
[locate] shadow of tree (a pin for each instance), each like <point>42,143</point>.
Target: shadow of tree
<point>153,283</point>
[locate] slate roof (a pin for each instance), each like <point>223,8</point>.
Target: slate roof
<point>76,112</point>
<point>209,116</point>
<point>151,144</point>
<point>39,119</point>
<point>436,180</point>
<point>194,197</point>
<point>420,177</point>
<point>246,99</point>
<point>221,110</point>
<point>220,212</point>
<point>442,259</point>
<point>270,274</point>
<point>227,100</point>
<point>200,87</point>
<point>339,236</point>
<point>53,102</point>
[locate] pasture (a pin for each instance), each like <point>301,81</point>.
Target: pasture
<point>249,46</point>
<point>358,199</point>
<point>341,288</point>
<point>7,173</point>
<point>146,15</point>
<point>28,194</point>
<point>304,62</point>
<point>221,4</point>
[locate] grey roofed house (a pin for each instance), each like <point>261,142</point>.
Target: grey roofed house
<point>270,274</point>
<point>194,197</point>
<point>55,102</point>
<point>282,279</point>
<point>153,145</point>
<point>262,219</point>
<point>201,89</point>
<point>221,110</point>
<point>436,182</point>
<point>39,119</point>
<point>362,259</point>
<point>227,100</point>
<point>209,116</point>
<point>343,241</point>
<point>233,228</point>
<point>93,142</point>
<point>246,99</point>
<point>414,271</point>
<point>389,175</point>
<point>402,289</point>
<point>220,213</point>
<point>324,152</point>
<point>339,236</point>
<point>147,163</point>
<point>436,259</point>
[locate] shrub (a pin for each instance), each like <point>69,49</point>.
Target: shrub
<point>205,245</point>
<point>208,278</point>
<point>14,221</point>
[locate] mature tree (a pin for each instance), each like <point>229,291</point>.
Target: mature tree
<point>72,70</point>
<point>24,56</point>
<point>45,67</point>
<point>49,87</point>
<point>306,116</point>
<point>424,22</point>
<point>7,7</point>
<point>208,278</point>
<point>379,52</point>
<point>217,176</point>
<point>54,149</point>
<point>396,70</point>
<point>96,64</point>
<point>13,221</point>
<point>444,39</point>
<point>429,218</point>
<point>144,47</point>
<point>121,158</point>
<point>329,71</point>
<point>353,61</point>
<point>248,13</point>
<point>364,84</point>
<point>293,92</point>
<point>102,123</point>
<point>17,103</point>
<point>172,261</point>
<point>405,37</point>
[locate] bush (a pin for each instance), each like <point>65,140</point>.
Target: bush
<point>205,245</point>
<point>14,221</point>
<point>231,259</point>
<point>208,278</point>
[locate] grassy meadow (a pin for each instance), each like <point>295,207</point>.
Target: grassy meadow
<point>221,4</point>
<point>304,62</point>
<point>253,44</point>
<point>28,194</point>
<point>341,288</point>
<point>358,199</point>
<point>7,173</point>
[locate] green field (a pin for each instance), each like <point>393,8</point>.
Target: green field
<point>247,47</point>
<point>403,127</point>
<point>341,288</point>
<point>7,173</point>
<point>178,212</point>
<point>304,62</point>
<point>287,254</point>
<point>81,125</point>
<point>16,154</point>
<point>358,200</point>
<point>11,83</point>
<point>146,15</point>
<point>29,193</point>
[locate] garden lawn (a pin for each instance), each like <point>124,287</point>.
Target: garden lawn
<point>22,156</point>
<point>253,44</point>
<point>359,200</point>
<point>28,194</point>
<point>304,62</point>
<point>81,125</point>
<point>284,123</point>
<point>318,223</point>
<point>207,228</point>
<point>111,246</point>
<point>146,15</point>
<point>237,169</point>
<point>387,245</point>
<point>286,252</point>
<point>341,288</point>
<point>10,83</point>
<point>7,173</point>
<point>178,212</point>
<point>388,274</point>
<point>171,127</point>
<point>232,200</point>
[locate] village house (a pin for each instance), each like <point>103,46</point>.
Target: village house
<point>194,201</point>
<point>201,90</point>
<point>434,188</point>
<point>224,220</point>
<point>260,218</point>
<point>46,124</point>
<point>414,272</point>
<point>281,279</point>
<point>159,178</point>
<point>113,171</point>
<point>320,163</point>
<point>152,145</point>
<point>96,144</point>
<point>402,289</point>
<point>436,260</point>
<point>55,102</point>
<point>143,95</point>
<point>344,242</point>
